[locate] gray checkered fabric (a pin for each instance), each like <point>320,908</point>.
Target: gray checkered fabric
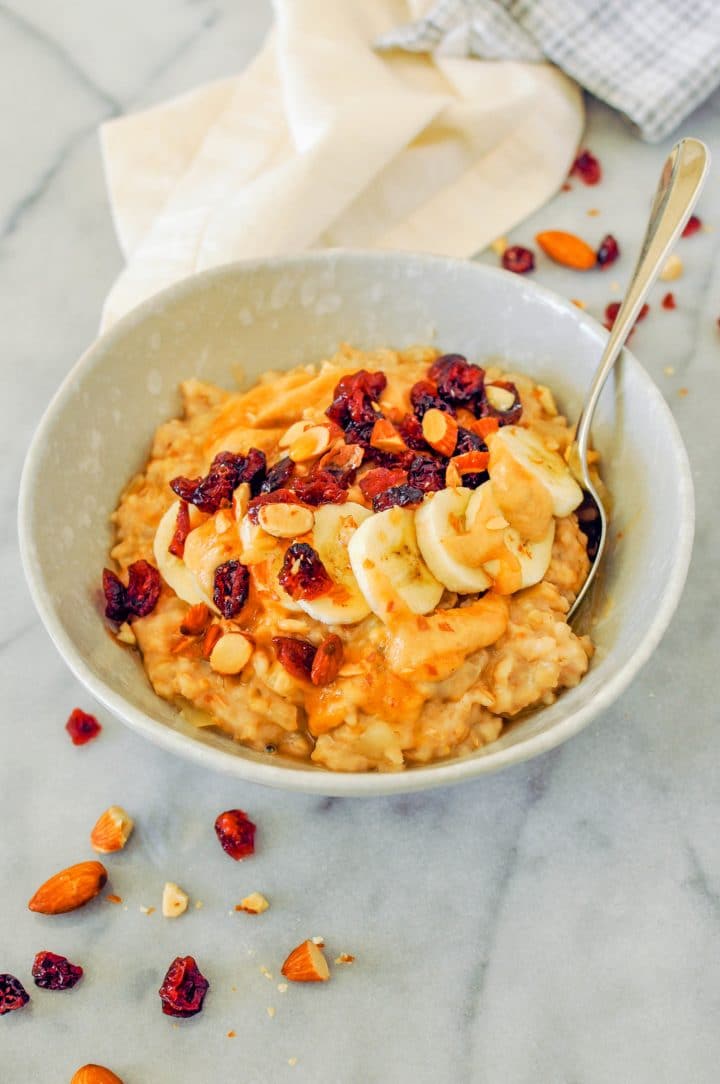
<point>654,60</point>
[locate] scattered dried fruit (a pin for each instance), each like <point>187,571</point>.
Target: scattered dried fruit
<point>328,660</point>
<point>95,1074</point>
<point>668,301</point>
<point>306,963</point>
<point>613,309</point>
<point>397,496</point>
<point>324,486</point>
<point>303,574</point>
<point>423,397</point>
<point>426,474</point>
<point>296,656</point>
<point>82,727</point>
<point>458,381</point>
<point>379,479</point>
<point>518,259</point>
<point>196,620</point>
<point>567,249</point>
<point>278,476</point>
<point>227,471</point>
<point>440,430</point>
<point>231,653</point>
<point>182,530</point>
<point>236,833</point>
<point>112,830</point>
<point>587,167</point>
<point>183,989</point>
<point>13,994</point>
<point>140,596</point>
<point>692,226</point>
<point>52,972</point>
<point>69,889</point>
<point>174,900</point>
<point>231,588</point>
<point>254,904</point>
<point>608,251</point>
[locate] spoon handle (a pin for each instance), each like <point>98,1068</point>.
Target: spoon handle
<point>680,184</point>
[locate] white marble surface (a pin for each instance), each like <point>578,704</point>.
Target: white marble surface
<point>559,923</point>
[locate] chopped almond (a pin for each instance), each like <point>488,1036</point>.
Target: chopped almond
<point>306,963</point>
<point>386,438</point>
<point>296,430</point>
<point>673,269</point>
<point>285,520</point>
<point>210,639</point>
<point>195,620</point>
<point>471,462</point>
<point>231,653</point>
<point>254,904</point>
<point>440,430</point>
<point>344,958</point>
<point>499,398</point>
<point>112,830</point>
<point>126,635</point>
<point>312,443</point>
<point>174,900</point>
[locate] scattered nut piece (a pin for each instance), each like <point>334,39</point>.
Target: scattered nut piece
<point>285,520</point>
<point>69,889</point>
<point>231,1034</point>
<point>147,910</point>
<point>567,249</point>
<point>673,268</point>
<point>497,523</point>
<point>126,635</point>
<point>669,370</point>
<point>195,620</point>
<point>271,1011</point>
<point>344,958</point>
<point>241,499</point>
<point>453,478</point>
<point>499,398</point>
<point>499,245</point>
<point>282,987</point>
<point>95,1074</point>
<point>312,443</point>
<point>440,430</point>
<point>291,435</point>
<point>112,898</point>
<point>112,830</point>
<point>319,941</point>
<point>223,521</point>
<point>682,392</point>
<point>211,637</point>
<point>198,904</point>
<point>386,438</point>
<point>306,963</point>
<point>578,303</point>
<point>174,900</point>
<point>471,462</point>
<point>254,904</point>
<point>231,653</point>
<point>292,1061</point>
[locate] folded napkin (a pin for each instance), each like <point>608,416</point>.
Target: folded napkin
<point>654,60</point>
<point>326,141</point>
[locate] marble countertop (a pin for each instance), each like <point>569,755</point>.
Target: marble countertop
<point>555,924</point>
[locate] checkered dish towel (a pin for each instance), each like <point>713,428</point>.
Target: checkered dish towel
<point>654,60</point>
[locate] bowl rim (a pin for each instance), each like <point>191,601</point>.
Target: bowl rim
<point>314,780</point>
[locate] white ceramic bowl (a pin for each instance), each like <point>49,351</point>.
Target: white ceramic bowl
<point>278,313</point>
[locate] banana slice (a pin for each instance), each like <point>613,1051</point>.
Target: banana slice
<point>172,569</point>
<point>439,519</point>
<point>528,453</point>
<point>388,566</point>
<point>334,527</point>
<point>515,562</point>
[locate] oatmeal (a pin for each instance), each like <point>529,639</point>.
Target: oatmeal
<point>367,564</point>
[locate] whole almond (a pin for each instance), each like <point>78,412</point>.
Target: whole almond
<point>69,889</point>
<point>95,1074</point>
<point>567,249</point>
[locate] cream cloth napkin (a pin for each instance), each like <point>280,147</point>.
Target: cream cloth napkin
<point>323,141</point>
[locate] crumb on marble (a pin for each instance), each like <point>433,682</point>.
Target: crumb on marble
<point>345,958</point>
<point>682,392</point>
<point>292,1061</point>
<point>271,1011</point>
<point>112,898</point>
<point>231,1034</point>
<point>319,941</point>
<point>593,212</point>
<point>147,910</point>
<point>282,987</point>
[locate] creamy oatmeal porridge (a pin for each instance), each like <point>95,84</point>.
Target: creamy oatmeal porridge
<point>366,563</point>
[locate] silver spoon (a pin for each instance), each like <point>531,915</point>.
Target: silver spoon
<point>680,185</point>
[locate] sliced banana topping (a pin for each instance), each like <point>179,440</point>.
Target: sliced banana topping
<point>511,561</point>
<point>439,521</point>
<point>515,454</point>
<point>173,569</point>
<point>389,567</point>
<point>334,527</point>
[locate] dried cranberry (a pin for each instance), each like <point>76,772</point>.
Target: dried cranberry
<point>458,382</point>
<point>692,226</point>
<point>82,727</point>
<point>359,433</point>
<point>518,259</point>
<point>427,474</point>
<point>140,596</point>
<point>13,994</point>
<point>182,530</point>
<point>227,471</point>
<point>587,168</point>
<point>303,574</point>
<point>236,833</point>
<point>668,301</point>
<point>613,309</point>
<point>424,397</point>
<point>278,476</point>
<point>440,366</point>
<point>381,478</point>
<point>183,989</point>
<point>53,972</point>
<point>324,486</point>
<point>397,496</point>
<point>355,398</point>
<point>467,441</point>
<point>278,496</point>
<point>505,417</point>
<point>410,430</point>
<point>297,656</point>
<point>608,251</point>
<point>231,588</point>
